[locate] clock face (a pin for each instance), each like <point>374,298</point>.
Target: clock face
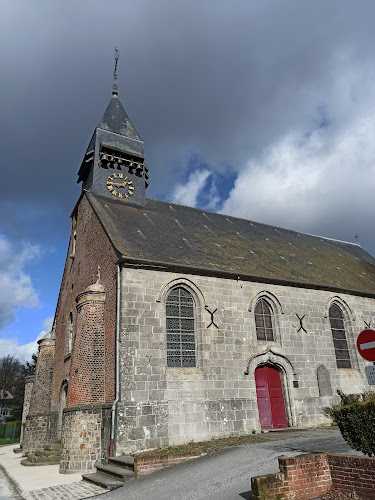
<point>119,185</point>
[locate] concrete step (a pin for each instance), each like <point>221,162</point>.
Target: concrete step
<point>118,473</point>
<point>27,462</point>
<point>102,480</point>
<point>124,461</point>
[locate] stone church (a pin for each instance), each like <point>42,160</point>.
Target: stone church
<point>176,324</point>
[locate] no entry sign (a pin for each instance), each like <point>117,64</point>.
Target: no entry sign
<point>366,344</point>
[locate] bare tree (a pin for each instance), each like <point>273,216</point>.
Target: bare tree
<point>11,371</point>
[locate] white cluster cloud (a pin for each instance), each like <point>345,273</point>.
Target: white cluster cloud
<point>322,183</point>
<point>24,352</point>
<point>187,194</point>
<point>16,289</point>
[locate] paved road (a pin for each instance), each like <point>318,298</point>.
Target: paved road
<point>226,475</point>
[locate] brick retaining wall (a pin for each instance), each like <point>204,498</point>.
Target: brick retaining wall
<point>308,476</point>
<point>144,465</point>
<point>353,474</point>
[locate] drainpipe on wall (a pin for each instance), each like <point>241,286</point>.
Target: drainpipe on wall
<point>117,393</point>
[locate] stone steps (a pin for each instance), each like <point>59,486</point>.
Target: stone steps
<point>49,455</point>
<point>102,480</point>
<point>115,474</point>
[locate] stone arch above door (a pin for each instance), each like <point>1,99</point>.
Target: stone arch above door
<point>283,364</point>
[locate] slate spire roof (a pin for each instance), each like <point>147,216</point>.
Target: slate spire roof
<point>116,120</point>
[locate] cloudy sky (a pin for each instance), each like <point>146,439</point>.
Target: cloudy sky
<point>263,109</point>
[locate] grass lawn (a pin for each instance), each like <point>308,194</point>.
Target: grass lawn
<point>203,447</point>
<point>4,441</point>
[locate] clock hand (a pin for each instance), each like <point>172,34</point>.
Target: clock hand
<point>118,184</point>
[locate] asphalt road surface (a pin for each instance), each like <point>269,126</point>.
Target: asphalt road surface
<point>226,475</point>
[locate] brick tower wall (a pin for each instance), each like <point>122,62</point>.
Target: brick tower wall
<point>88,250</point>
<point>86,418</point>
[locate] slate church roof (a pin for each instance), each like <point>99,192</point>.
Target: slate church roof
<point>172,236</point>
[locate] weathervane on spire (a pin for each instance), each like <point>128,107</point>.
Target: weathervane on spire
<point>115,86</point>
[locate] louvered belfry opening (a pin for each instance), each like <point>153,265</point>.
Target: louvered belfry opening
<point>180,328</point>
<point>263,321</point>
<point>340,343</point>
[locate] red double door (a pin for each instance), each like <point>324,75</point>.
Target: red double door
<point>270,398</point>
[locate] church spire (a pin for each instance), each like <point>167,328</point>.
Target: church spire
<point>115,85</point>
<point>113,165</point>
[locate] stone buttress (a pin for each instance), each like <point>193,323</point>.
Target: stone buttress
<point>35,433</point>
<point>86,418</point>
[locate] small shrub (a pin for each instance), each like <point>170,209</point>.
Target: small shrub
<point>355,416</point>
<point>253,431</point>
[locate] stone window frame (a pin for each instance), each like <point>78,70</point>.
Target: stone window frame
<point>73,240</point>
<point>340,361</point>
<point>349,324</point>
<point>69,336</point>
<point>199,304</point>
<point>276,308</point>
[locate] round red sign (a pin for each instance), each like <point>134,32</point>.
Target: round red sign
<point>366,344</point>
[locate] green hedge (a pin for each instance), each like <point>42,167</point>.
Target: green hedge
<point>11,430</point>
<point>356,422</point>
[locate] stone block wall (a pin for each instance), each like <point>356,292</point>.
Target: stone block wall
<point>35,432</point>
<point>29,382</point>
<point>36,425</point>
<point>85,438</point>
<point>217,397</point>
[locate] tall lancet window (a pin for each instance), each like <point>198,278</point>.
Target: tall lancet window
<point>180,328</point>
<point>264,321</point>
<point>69,335</point>
<point>340,343</point>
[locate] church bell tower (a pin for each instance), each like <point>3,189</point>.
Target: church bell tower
<point>113,165</point>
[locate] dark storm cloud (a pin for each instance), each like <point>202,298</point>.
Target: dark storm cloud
<point>227,80</point>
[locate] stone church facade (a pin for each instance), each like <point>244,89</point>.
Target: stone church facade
<point>176,324</point>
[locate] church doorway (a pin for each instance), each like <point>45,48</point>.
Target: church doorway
<point>270,398</point>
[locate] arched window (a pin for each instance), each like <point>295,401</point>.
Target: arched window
<point>336,319</point>
<point>180,328</point>
<point>263,320</point>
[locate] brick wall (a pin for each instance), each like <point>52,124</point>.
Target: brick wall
<point>92,248</point>
<point>144,465</point>
<point>88,369</point>
<point>302,477</point>
<point>308,476</point>
<point>353,474</point>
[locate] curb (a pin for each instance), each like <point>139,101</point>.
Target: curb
<point>15,484</point>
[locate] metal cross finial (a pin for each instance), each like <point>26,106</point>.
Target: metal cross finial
<point>115,86</point>
<point>356,237</point>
